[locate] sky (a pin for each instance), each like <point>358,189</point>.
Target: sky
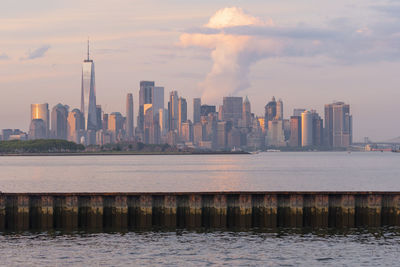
<point>308,53</point>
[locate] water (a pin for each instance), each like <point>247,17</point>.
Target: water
<point>284,248</point>
<point>328,171</point>
<point>311,171</point>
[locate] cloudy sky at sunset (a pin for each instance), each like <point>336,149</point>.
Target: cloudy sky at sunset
<point>308,53</point>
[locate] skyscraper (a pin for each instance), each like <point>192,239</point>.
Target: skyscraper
<point>173,111</point>
<point>338,125</point>
<point>163,120</point>
<point>279,110</point>
<point>275,136</point>
<point>129,116</point>
<point>158,99</point>
<point>270,111</point>
<point>246,112</point>
<point>76,125</point>
<point>318,130</point>
<point>295,131</point>
<point>206,109</point>
<point>145,97</point>
<point>196,110</point>
<point>115,125</point>
<point>37,129</point>
<point>306,128</point>
<point>182,113</point>
<point>59,123</point>
<point>99,116</point>
<point>41,111</point>
<point>88,94</point>
<point>232,109</point>
<point>298,111</point>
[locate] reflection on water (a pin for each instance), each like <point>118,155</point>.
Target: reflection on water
<point>183,248</point>
<point>310,171</point>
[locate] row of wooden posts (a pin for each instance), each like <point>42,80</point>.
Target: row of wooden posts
<point>124,211</point>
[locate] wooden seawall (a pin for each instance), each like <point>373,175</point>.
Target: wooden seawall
<point>131,211</point>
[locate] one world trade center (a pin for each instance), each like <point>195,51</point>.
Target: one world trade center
<point>88,97</point>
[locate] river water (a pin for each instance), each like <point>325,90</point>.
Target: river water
<point>284,248</point>
<point>328,171</point>
<point>285,171</point>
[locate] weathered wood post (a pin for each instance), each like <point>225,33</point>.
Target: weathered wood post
<point>145,211</point>
<point>290,210</point>
<point>66,212</point>
<point>41,212</point>
<point>316,209</point>
<point>115,216</point>
<point>17,212</point>
<point>2,212</point>
<point>90,212</point>
<point>342,210</point>
<point>391,210</point>
<point>265,210</point>
<point>368,210</point>
<point>239,213</point>
<point>214,210</point>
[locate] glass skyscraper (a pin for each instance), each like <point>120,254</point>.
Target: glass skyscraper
<point>88,96</point>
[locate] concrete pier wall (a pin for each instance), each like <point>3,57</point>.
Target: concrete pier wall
<point>131,211</point>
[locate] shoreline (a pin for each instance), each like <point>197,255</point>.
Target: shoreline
<point>123,153</point>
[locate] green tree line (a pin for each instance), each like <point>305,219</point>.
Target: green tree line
<point>39,146</point>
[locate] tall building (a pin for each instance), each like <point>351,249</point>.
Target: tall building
<point>222,135</point>
<point>196,110</point>
<point>173,111</point>
<point>88,94</point>
<point>163,120</point>
<point>206,109</point>
<point>318,130</point>
<point>295,131</point>
<point>158,99</point>
<point>115,125</point>
<point>99,113</point>
<point>37,129</point>
<point>198,133</point>
<point>129,116</point>
<point>187,131</point>
<point>41,111</point>
<point>210,128</point>
<point>145,97</point>
<point>232,109</point>
<point>298,111</point>
<point>182,113</point>
<point>338,125</point>
<point>279,110</point>
<point>76,126</point>
<point>105,121</point>
<point>59,122</point>
<point>275,135</point>
<point>246,112</point>
<point>306,129</point>
<point>270,111</point>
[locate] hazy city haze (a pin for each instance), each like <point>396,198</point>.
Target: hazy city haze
<point>309,54</point>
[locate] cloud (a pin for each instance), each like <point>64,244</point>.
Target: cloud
<point>4,56</point>
<point>232,53</point>
<point>237,40</point>
<point>37,53</point>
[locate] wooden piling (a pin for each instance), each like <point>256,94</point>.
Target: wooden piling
<point>244,210</point>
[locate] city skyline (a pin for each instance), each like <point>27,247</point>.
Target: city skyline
<point>47,72</point>
<point>235,125</point>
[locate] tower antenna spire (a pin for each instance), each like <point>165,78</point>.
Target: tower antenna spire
<point>88,48</point>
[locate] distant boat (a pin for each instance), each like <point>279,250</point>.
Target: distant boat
<point>273,150</point>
